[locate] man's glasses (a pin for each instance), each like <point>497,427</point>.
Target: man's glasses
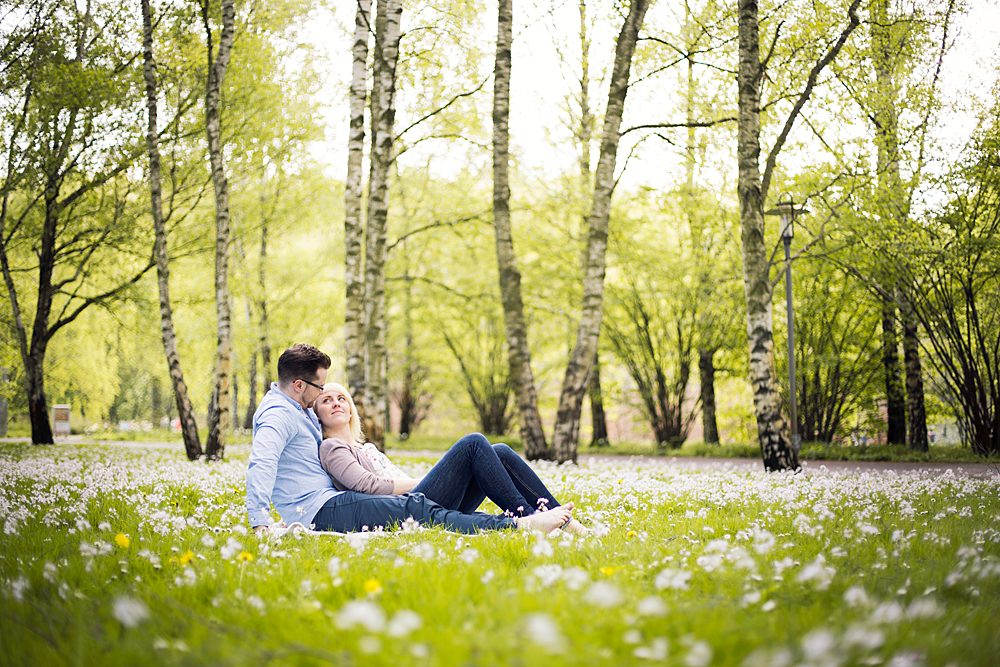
<point>311,384</point>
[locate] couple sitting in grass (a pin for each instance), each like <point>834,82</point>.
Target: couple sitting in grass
<point>308,458</point>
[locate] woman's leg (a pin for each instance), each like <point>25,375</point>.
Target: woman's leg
<point>351,511</point>
<point>471,468</point>
<point>525,479</point>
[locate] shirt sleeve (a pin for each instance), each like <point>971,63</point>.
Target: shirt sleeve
<point>269,440</point>
<point>347,472</point>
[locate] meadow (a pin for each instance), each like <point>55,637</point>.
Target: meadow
<point>122,554</point>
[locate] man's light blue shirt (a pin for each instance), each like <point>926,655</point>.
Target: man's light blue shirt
<point>284,462</point>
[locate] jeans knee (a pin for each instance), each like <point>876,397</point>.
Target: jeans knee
<point>475,441</point>
<point>503,451</point>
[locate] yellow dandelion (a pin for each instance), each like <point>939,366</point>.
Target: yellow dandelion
<point>629,534</point>
<point>244,556</point>
<point>188,556</point>
<point>122,540</point>
<point>372,586</point>
<point>608,571</point>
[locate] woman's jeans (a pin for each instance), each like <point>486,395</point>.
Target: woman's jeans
<point>351,511</point>
<point>473,470</point>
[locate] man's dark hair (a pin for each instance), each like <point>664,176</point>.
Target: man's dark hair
<point>301,361</point>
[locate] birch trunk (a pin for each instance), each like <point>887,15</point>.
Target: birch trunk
<point>354,335</point>
<point>567,430</point>
<point>598,420</point>
<point>189,428</point>
<point>706,374</point>
<point>776,450</point>
<point>219,417</point>
<point>895,398</point>
<point>518,354</point>
<point>383,105</point>
<point>265,344</point>
<point>915,409</point>
<point>893,209</point>
<point>251,377</point>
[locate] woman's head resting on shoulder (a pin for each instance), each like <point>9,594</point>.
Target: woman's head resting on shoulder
<point>337,413</point>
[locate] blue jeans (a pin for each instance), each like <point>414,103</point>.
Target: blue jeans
<point>473,470</point>
<point>351,511</point>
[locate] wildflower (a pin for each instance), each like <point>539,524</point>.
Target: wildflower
<point>469,555</point>
<point>575,578</point>
<point>404,622</point>
<point>186,557</point>
<point>657,650</point>
<point>370,645</point>
<point>855,596</point>
<point>608,571</point>
<point>817,644</point>
<point>603,594</point>
<point>130,612</point>
<point>543,630</point>
<point>372,587</point>
<point>122,540</point>
<point>231,547</point>
<point>245,557</point>
<point>671,578</point>
<point>923,608</point>
<point>859,635</point>
<point>699,655</point>
<point>487,576</point>
<point>651,606</point>
<point>334,565</point>
<point>367,614</point>
<point>888,612</point>
<point>817,572</point>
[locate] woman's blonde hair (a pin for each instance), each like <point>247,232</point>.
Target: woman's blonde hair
<point>355,423</point>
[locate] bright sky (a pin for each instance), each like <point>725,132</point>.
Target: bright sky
<point>540,83</point>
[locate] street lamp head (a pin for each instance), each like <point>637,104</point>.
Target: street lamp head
<point>786,213</point>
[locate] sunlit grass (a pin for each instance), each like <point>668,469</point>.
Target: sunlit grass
<point>123,556</point>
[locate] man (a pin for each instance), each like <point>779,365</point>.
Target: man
<point>285,468</point>
<point>284,464</point>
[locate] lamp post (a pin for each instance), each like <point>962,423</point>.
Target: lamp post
<point>786,213</point>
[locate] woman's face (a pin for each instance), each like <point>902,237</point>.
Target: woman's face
<point>333,408</point>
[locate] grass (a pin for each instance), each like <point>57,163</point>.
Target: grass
<point>124,556</point>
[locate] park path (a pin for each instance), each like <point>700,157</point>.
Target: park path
<point>692,463</point>
<point>699,463</point>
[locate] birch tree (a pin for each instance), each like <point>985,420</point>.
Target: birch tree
<point>752,189</point>
<point>577,376</point>
<point>219,417</point>
<point>189,428</point>
<point>354,341</point>
<point>519,355</point>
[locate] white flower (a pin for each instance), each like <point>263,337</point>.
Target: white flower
<point>370,645</point>
<point>752,597</point>
<point>18,587</point>
<point>334,565</point>
<point>543,630</point>
<point>87,549</point>
<point>817,644</point>
<point>575,578</point>
<point>543,548</point>
<point>888,612</point>
<point>410,525</point>
<point>404,622</point>
<point>599,529</point>
<point>104,525</point>
<point>548,574</point>
<point>671,578</point>
<point>487,576</point>
<point>710,562</point>
<point>255,602</point>
<point>717,546</point>
<point>924,608</point>
<point>866,638</point>
<point>361,612</point>
<point>632,636</point>
<point>855,596</point>
<point>657,650</point>
<point>469,555</point>
<point>700,655</point>
<point>817,572</point>
<point>603,594</point>
<point>231,548</point>
<point>651,606</point>
<point>208,540</point>
<point>769,605</point>
<point>763,541</point>
<point>129,611</point>
<point>424,550</point>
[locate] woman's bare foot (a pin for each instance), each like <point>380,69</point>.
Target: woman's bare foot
<point>546,521</point>
<point>576,527</point>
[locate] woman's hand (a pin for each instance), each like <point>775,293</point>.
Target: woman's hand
<point>405,485</point>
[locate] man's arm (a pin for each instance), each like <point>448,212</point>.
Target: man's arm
<point>269,440</point>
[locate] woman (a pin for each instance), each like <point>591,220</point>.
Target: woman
<point>469,472</point>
